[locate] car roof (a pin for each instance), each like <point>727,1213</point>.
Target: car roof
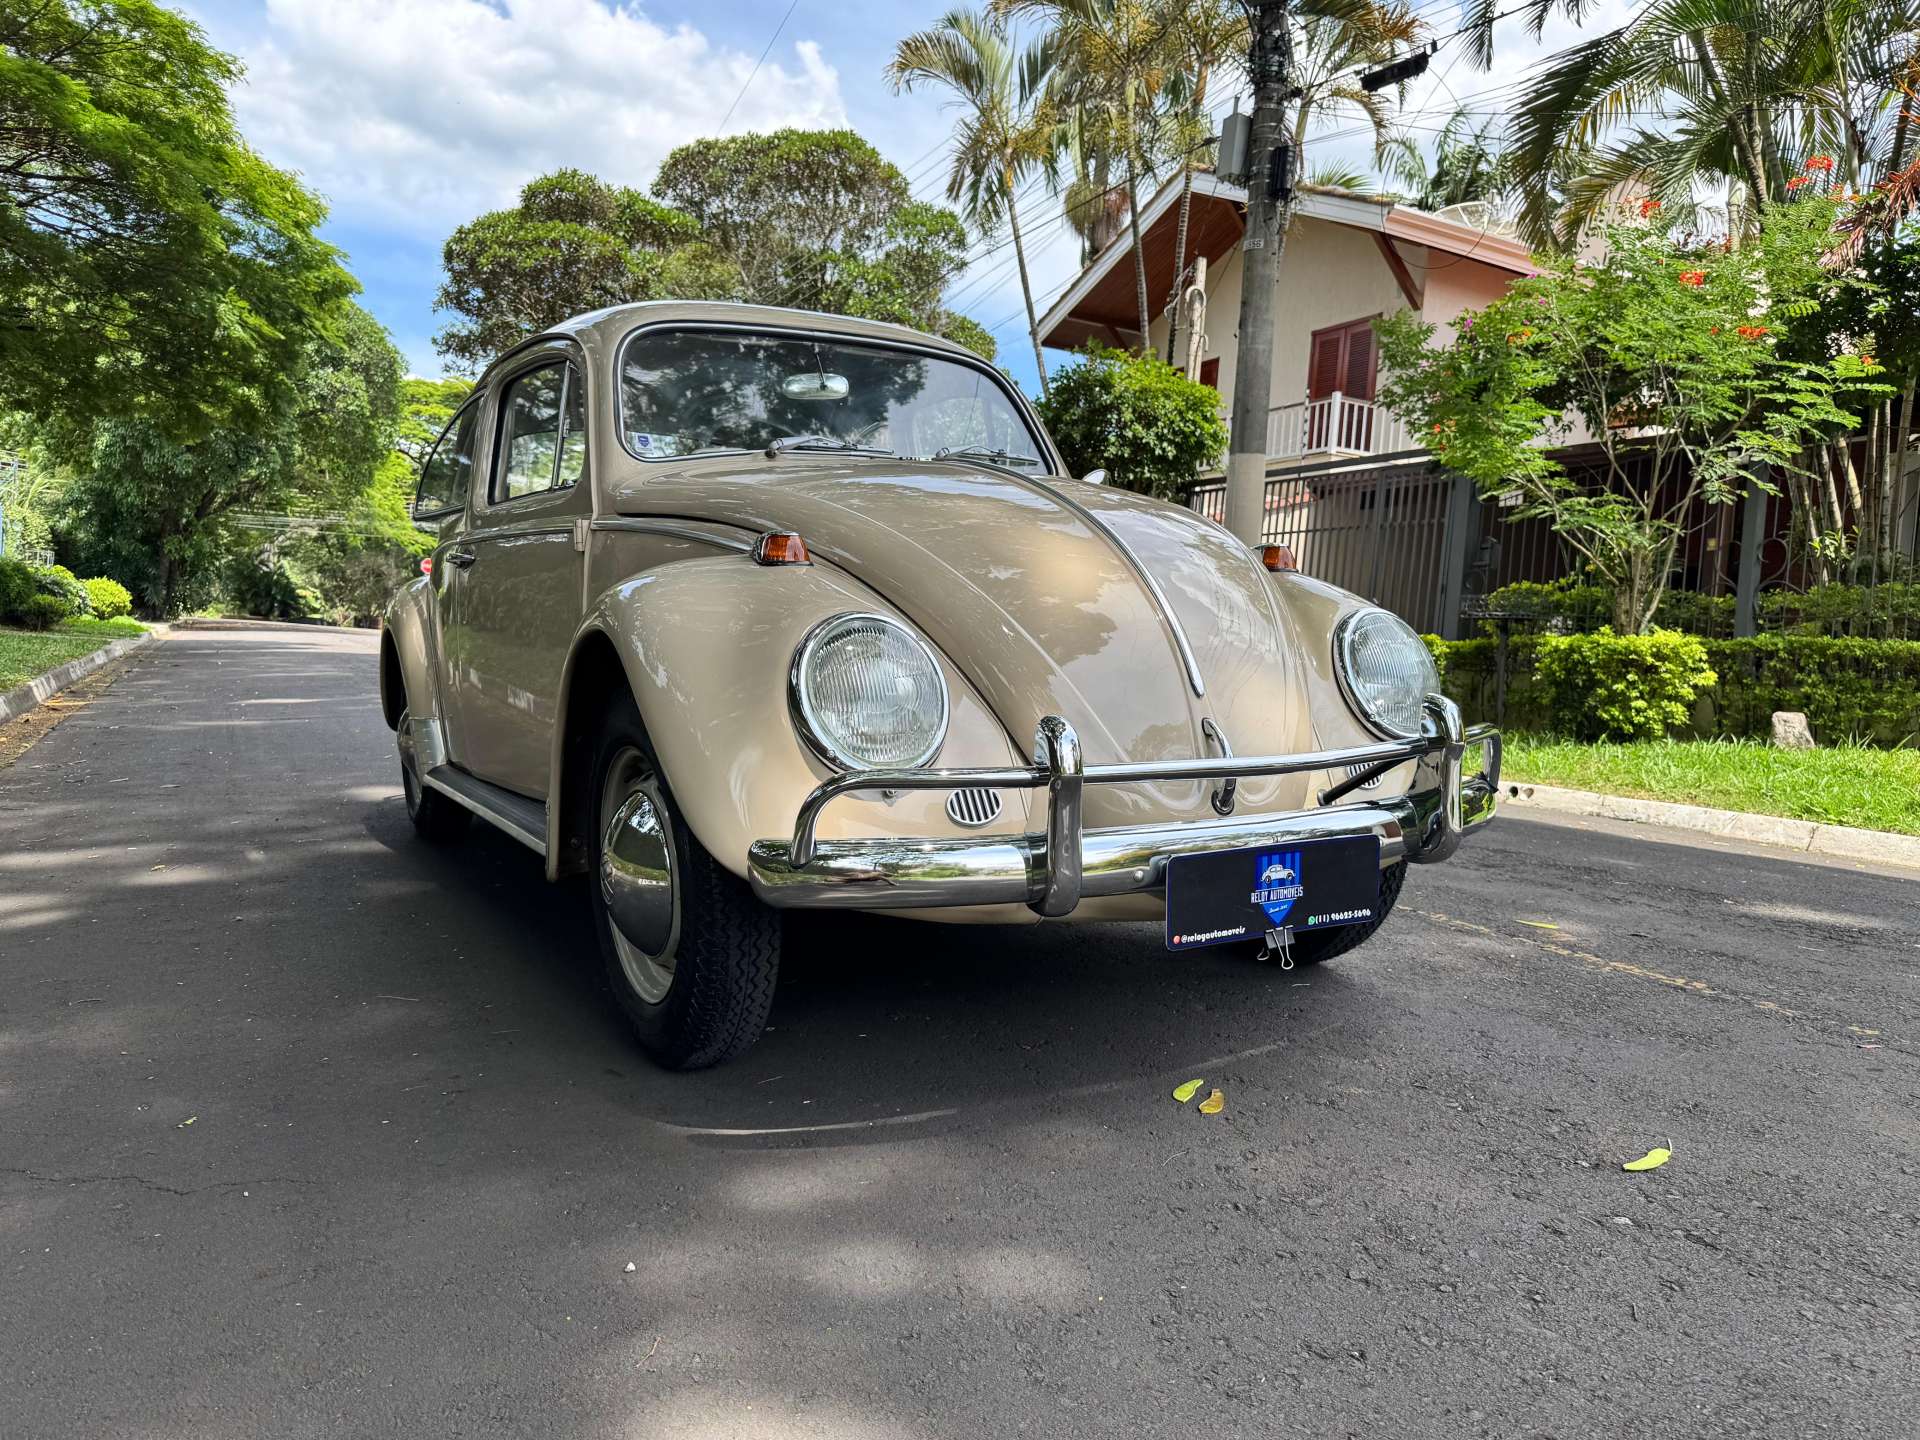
<point>605,328</point>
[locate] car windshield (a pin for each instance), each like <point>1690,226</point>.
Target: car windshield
<point>684,392</point>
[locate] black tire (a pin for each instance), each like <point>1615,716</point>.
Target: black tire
<point>438,818</point>
<point>1311,947</point>
<point>722,949</point>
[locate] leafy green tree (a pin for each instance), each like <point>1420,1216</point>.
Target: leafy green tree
<point>151,265</point>
<point>1691,372</point>
<point>1005,127</point>
<point>820,220</point>
<point>155,511</point>
<point>574,243</point>
<point>811,219</point>
<point>1136,417</point>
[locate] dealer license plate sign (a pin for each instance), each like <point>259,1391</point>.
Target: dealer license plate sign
<point>1229,895</point>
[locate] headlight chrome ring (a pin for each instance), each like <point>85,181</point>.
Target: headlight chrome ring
<point>867,693</point>
<point>1385,671</point>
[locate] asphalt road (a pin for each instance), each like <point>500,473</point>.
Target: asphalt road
<point>307,1128</point>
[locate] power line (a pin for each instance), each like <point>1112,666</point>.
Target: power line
<point>792,4</point>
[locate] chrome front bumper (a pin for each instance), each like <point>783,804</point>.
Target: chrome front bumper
<point>1053,871</point>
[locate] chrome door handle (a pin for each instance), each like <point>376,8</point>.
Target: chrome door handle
<point>461,558</point>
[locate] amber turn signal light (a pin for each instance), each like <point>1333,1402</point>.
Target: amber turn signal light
<point>1278,557</point>
<point>781,547</point>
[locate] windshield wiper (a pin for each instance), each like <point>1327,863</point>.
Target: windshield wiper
<point>982,452</point>
<point>819,442</point>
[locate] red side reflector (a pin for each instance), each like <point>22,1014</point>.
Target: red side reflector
<point>1278,557</point>
<point>781,547</point>
<point>426,564</point>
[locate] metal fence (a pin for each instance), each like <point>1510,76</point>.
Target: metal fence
<point>1379,530</point>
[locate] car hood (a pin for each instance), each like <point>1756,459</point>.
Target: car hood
<point>1030,600</point>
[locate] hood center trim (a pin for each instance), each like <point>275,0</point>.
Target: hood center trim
<point>1134,563</point>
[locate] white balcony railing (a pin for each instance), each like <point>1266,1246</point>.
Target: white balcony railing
<point>1333,425</point>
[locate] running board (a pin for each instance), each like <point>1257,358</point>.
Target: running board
<point>525,820</point>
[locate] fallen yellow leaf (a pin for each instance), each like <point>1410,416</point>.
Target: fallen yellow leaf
<point>1186,1092</point>
<point>1652,1160</point>
<point>1213,1104</point>
<point>1541,924</point>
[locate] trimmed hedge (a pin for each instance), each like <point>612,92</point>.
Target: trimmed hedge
<point>1849,689</point>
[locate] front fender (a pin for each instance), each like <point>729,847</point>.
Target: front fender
<point>706,646</point>
<point>408,629</point>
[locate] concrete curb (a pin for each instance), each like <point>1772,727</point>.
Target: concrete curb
<point>22,698</point>
<point>1844,841</point>
<point>247,622</point>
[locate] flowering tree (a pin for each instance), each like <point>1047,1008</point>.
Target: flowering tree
<point>1665,371</point>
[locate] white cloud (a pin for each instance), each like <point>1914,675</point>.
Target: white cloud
<point>420,114</point>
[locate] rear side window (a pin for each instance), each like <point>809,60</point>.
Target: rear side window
<point>543,438</point>
<point>448,468</point>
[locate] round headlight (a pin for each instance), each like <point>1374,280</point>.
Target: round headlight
<point>1386,671</point>
<point>868,694</point>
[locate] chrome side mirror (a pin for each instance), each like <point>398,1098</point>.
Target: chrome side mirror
<point>1095,477</point>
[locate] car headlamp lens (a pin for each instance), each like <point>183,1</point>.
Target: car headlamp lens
<point>1386,671</point>
<point>869,695</point>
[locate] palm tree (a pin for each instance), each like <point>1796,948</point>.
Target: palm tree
<point>1113,61</point>
<point>1334,41</point>
<point>1467,164</point>
<point>1006,129</point>
<point>1212,34</point>
<point>1740,93</point>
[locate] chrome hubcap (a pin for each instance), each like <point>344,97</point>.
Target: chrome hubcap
<point>636,875</point>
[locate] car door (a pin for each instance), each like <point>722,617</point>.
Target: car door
<point>517,601</point>
<point>440,508</point>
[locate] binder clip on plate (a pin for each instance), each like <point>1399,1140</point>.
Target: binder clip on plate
<point>1280,947</point>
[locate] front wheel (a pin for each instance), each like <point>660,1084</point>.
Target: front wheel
<point>438,818</point>
<point>689,953</point>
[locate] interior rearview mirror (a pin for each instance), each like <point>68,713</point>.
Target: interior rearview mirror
<point>815,385</point>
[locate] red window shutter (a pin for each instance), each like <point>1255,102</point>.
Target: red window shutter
<point>1210,373</point>
<point>1327,363</point>
<point>1358,372</point>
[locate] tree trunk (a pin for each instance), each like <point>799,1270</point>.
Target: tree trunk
<point>1179,258</point>
<point>1186,209</point>
<point>1139,255</point>
<point>1026,286</point>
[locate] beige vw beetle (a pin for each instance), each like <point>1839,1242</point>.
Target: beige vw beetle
<point>740,610</point>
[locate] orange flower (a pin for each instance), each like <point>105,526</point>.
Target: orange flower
<point>1797,181</point>
<point>1820,162</point>
<point>1751,332</point>
<point>1647,207</point>
<point>1867,360</point>
<point>1693,277</point>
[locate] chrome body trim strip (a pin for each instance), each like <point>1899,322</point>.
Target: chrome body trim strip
<point>1052,871</point>
<point>677,532</point>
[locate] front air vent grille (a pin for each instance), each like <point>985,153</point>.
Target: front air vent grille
<point>973,808</point>
<point>1373,784</point>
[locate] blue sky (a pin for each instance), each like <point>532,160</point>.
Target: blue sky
<point>411,116</point>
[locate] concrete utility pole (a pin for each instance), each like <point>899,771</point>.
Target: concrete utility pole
<point>1269,199</point>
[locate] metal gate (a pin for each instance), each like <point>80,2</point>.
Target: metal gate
<point>1380,531</point>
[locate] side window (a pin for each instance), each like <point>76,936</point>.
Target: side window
<point>543,436</point>
<point>448,467</point>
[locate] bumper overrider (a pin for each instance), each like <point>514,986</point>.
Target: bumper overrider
<point>1052,872</point>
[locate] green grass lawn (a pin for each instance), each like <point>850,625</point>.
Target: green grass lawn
<point>27,653</point>
<point>1844,785</point>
